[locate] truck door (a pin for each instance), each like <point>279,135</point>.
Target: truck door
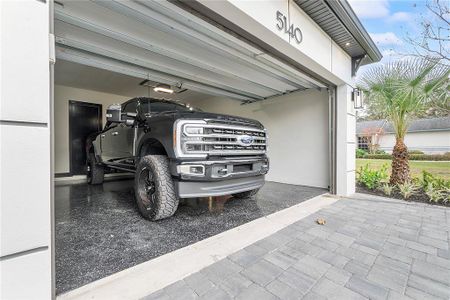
<point>122,138</point>
<point>106,142</point>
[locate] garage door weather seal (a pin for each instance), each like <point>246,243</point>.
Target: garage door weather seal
<point>146,278</point>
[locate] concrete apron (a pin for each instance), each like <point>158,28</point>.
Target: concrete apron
<point>151,276</point>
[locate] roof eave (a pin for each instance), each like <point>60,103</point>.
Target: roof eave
<point>347,16</point>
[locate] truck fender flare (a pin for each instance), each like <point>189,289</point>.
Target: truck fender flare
<point>150,146</point>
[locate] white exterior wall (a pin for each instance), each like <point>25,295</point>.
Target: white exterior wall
<point>318,53</point>
<point>431,142</point>
<point>298,134</point>
<point>61,106</point>
<point>25,168</point>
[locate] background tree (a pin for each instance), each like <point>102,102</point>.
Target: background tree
<point>373,136</point>
<point>401,90</point>
<point>434,38</point>
<point>431,41</point>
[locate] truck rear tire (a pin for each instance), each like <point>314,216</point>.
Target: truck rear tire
<point>247,194</point>
<point>154,189</point>
<point>95,173</point>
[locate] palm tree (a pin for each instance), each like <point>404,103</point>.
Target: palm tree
<point>400,90</point>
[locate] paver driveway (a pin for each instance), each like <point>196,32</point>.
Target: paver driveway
<point>370,247</point>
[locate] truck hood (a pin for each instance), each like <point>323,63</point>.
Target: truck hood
<point>214,117</point>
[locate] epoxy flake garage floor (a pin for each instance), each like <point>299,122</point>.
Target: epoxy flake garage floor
<point>99,230</point>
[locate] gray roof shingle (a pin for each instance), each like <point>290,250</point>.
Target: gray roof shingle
<point>434,124</point>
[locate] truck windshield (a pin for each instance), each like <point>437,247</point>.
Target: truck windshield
<point>155,107</point>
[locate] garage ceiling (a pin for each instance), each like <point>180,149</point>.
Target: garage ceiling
<point>159,41</point>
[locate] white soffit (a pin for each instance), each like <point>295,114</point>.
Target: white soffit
<point>160,41</point>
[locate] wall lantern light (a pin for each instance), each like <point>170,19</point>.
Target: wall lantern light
<point>358,98</point>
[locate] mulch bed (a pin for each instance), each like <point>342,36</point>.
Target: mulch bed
<point>419,196</point>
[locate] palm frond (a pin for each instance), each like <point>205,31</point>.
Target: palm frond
<point>401,89</point>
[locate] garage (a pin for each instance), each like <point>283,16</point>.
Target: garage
<point>211,57</point>
<point>96,68</point>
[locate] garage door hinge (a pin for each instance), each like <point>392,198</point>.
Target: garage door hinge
<point>51,41</point>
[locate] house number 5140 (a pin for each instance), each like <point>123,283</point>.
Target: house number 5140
<point>294,32</point>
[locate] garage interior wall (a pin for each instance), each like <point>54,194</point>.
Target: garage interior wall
<point>297,124</point>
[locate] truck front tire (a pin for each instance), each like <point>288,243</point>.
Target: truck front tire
<point>247,194</point>
<point>154,189</point>
<point>95,173</point>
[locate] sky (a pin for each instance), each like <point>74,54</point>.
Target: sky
<point>390,22</point>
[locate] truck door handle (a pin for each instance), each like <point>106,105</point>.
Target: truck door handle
<point>115,133</point>
<point>103,136</point>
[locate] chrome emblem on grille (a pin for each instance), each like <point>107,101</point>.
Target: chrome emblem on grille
<point>245,140</point>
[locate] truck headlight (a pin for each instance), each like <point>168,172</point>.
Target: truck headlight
<point>186,139</point>
<point>193,129</point>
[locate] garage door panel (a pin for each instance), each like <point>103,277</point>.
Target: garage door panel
<point>173,45</point>
<point>93,60</point>
<point>82,39</point>
<point>163,15</point>
<point>163,37</point>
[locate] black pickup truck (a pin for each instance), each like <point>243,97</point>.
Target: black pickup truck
<point>177,151</point>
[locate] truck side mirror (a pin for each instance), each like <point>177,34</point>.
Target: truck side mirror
<point>114,113</point>
<point>131,115</point>
<point>130,118</point>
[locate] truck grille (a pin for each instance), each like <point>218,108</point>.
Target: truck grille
<point>224,139</point>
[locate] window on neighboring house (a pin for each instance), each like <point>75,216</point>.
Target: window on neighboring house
<point>364,142</point>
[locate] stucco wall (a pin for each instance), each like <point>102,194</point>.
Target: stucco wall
<point>62,96</point>
<point>345,141</point>
<point>298,134</point>
<point>25,157</point>
<point>317,51</point>
<point>433,142</point>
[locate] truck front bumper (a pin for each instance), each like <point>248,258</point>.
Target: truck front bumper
<point>192,189</point>
<point>218,176</point>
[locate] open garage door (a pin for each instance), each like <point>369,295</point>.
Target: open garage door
<point>159,41</point>
<point>110,51</point>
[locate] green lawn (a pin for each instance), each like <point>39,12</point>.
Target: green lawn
<point>438,168</point>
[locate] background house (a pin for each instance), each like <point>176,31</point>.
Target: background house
<point>432,136</point>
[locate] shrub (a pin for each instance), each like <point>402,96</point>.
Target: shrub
<point>379,156</point>
<point>436,157</point>
<point>436,182</point>
<point>432,157</point>
<point>360,153</point>
<point>433,193</point>
<point>387,189</point>
<point>415,152</point>
<point>407,189</point>
<point>372,178</point>
<point>446,197</point>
